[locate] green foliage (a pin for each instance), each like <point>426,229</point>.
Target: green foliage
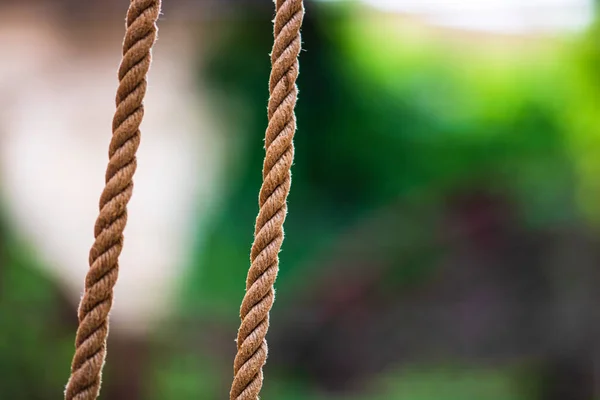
<point>183,377</point>
<point>456,383</point>
<point>34,347</point>
<point>581,116</point>
<point>428,383</point>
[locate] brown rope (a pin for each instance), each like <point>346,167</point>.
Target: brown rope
<point>268,234</point>
<point>90,342</point>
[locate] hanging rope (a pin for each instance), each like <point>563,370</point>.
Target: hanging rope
<point>90,342</point>
<point>268,234</point>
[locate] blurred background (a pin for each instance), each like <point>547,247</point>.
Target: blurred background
<point>442,239</point>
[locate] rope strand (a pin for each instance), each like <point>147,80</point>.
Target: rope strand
<point>268,236</point>
<point>86,369</point>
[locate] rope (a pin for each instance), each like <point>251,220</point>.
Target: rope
<point>268,235</point>
<point>90,342</point>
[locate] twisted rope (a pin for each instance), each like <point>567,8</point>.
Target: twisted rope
<point>90,342</point>
<point>268,235</point>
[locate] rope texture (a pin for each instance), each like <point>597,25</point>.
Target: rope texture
<point>268,235</point>
<point>90,342</point>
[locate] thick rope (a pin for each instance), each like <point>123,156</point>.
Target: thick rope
<point>268,235</point>
<point>90,342</point>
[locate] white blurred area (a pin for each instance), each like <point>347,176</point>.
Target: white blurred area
<point>58,85</point>
<point>500,16</point>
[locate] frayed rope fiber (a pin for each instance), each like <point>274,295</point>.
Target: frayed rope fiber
<point>268,235</point>
<point>90,342</point>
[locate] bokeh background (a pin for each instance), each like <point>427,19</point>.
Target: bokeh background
<point>442,239</point>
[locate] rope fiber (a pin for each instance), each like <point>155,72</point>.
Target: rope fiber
<point>90,342</point>
<point>268,235</point>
